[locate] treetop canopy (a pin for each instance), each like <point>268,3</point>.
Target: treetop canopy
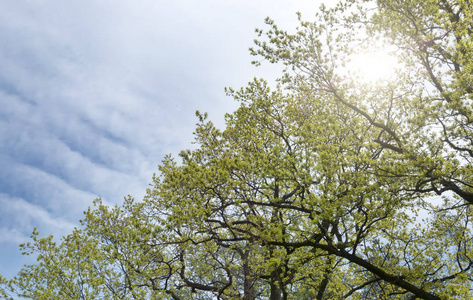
<point>325,186</point>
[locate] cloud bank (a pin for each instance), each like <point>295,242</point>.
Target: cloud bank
<point>93,94</point>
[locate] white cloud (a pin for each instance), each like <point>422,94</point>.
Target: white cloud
<point>93,94</point>
<point>32,215</point>
<point>19,217</point>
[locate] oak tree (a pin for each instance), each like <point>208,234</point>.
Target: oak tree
<point>325,186</point>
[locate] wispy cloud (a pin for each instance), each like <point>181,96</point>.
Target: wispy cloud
<point>14,228</point>
<point>93,94</point>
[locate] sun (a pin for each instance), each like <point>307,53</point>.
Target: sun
<point>373,65</point>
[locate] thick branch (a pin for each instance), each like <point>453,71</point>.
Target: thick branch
<point>395,280</point>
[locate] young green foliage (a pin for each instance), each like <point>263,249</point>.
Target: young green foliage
<point>313,188</point>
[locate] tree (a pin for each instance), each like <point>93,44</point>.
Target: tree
<point>313,189</point>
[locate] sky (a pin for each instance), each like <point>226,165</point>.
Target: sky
<point>94,94</point>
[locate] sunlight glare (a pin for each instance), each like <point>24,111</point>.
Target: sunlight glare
<point>371,66</point>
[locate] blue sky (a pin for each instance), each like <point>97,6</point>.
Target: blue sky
<point>93,94</point>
